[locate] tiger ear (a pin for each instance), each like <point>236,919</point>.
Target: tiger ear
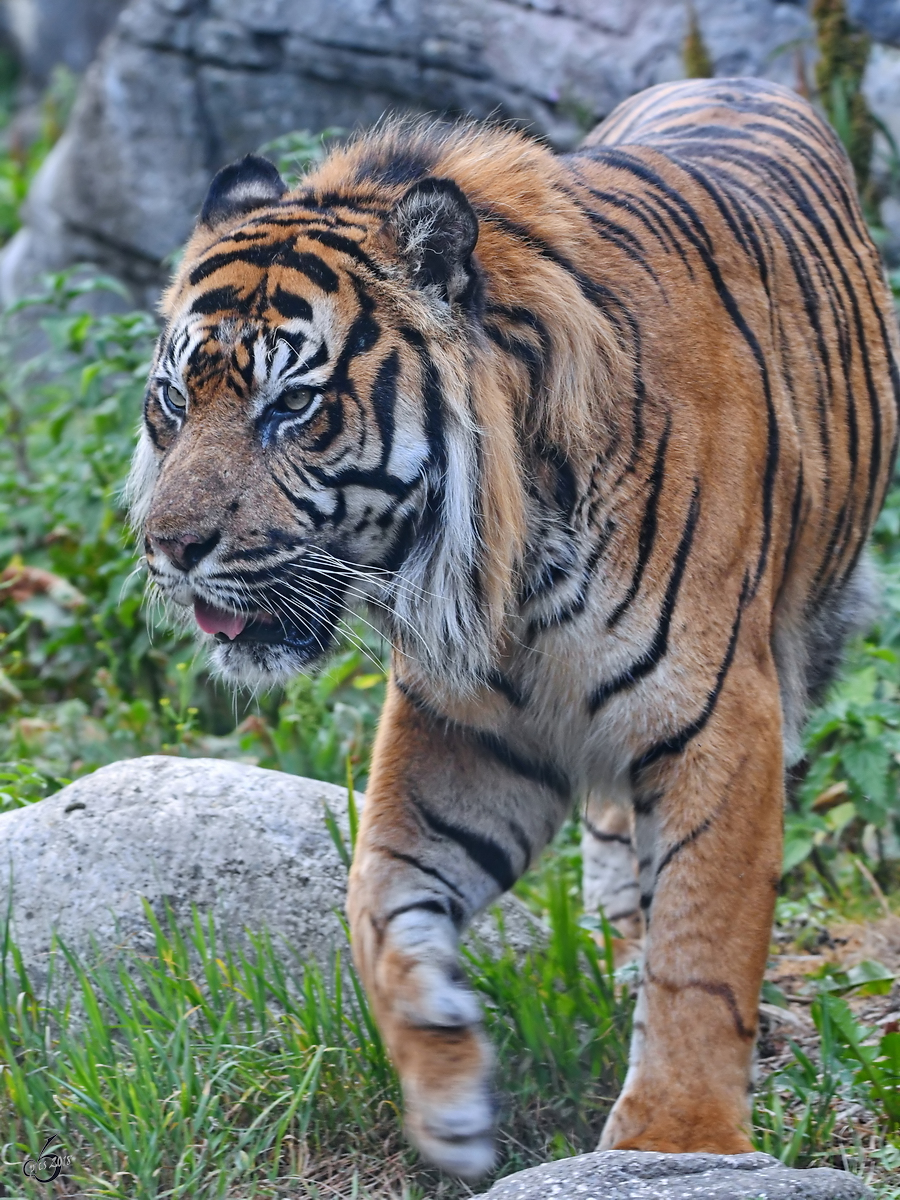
<point>435,230</point>
<point>241,187</point>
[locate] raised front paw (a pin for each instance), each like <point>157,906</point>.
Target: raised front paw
<point>450,1108</point>
<point>429,993</point>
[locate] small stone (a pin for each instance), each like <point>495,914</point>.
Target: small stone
<point>641,1175</point>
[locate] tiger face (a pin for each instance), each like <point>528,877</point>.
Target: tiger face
<point>306,423</point>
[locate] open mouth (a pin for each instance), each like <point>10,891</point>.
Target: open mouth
<point>242,628</point>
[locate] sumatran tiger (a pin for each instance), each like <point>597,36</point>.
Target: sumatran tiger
<point>599,439</point>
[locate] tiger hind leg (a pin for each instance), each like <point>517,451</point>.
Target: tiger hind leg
<point>610,874</point>
<point>708,813</point>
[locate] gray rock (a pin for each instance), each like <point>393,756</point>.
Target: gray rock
<point>183,86</point>
<point>249,845</point>
<point>637,1175</point>
<point>879,18</point>
<point>48,32</point>
<point>881,86</point>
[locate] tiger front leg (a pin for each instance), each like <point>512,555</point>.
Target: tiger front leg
<point>708,823</point>
<point>447,826</point>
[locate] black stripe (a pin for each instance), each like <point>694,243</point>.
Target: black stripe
<point>484,851</point>
<point>383,399</point>
<point>377,479</point>
<point>447,907</point>
<point>601,836</point>
<point>301,503</point>
<point>259,255</point>
<point>688,220</point>
<point>412,861</point>
<point>660,644</point>
<point>794,530</point>
<point>620,916</point>
<point>647,535</point>
<point>524,352</point>
<point>677,743</point>
<point>290,306</point>
<point>218,300</point>
<point>613,233</point>
<point>538,771</point>
<point>344,245</point>
<point>597,294</point>
<point>293,339</point>
<point>639,208</point>
<point>793,189</point>
<point>643,804</point>
<point>576,606</point>
<point>680,845</point>
<point>501,683</point>
<point>316,270</point>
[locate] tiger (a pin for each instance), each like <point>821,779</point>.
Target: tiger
<point>597,438</point>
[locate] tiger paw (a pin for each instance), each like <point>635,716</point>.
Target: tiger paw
<point>450,1109</point>
<point>678,1124</point>
<point>433,995</point>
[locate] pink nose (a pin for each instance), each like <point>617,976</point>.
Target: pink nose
<point>186,550</point>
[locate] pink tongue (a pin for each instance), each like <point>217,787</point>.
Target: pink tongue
<point>216,620</point>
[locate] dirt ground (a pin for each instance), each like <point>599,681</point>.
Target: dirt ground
<point>845,944</point>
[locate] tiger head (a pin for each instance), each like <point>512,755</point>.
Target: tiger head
<point>326,420</point>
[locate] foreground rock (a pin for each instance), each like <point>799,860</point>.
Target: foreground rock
<point>249,845</point>
<point>634,1175</point>
<point>183,86</point>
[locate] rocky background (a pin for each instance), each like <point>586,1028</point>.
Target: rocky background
<point>175,88</point>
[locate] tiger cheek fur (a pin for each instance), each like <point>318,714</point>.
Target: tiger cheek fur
<point>599,440</point>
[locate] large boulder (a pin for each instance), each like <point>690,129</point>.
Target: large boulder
<point>879,18</point>
<point>183,86</point>
<point>49,32</point>
<point>249,845</point>
<point>642,1175</point>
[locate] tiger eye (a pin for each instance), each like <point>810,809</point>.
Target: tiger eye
<point>174,397</point>
<point>298,398</point>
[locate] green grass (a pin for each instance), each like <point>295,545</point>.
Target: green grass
<point>203,1071</point>
<point>854,1077</point>
<point>208,1071</point>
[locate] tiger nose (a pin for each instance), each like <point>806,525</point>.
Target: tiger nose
<point>186,550</point>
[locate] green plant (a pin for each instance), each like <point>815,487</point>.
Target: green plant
<point>796,1114</point>
<point>843,53</point>
<point>560,1025</point>
<point>697,62</point>
<point>296,153</point>
<point>20,159</point>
